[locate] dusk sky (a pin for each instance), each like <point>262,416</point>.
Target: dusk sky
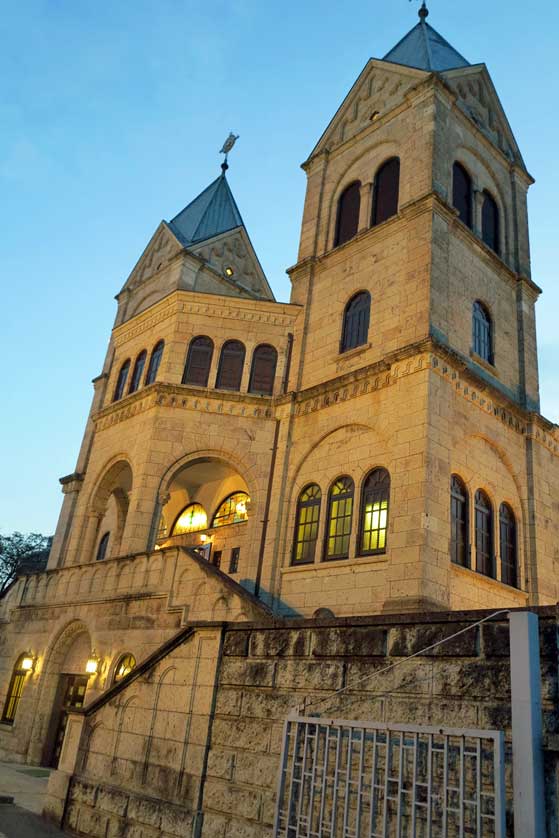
<point>112,116</point>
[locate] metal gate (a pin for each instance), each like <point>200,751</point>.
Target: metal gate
<point>349,779</point>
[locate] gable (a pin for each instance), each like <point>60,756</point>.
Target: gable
<point>478,99</point>
<point>234,250</point>
<point>161,249</point>
<point>379,88</point>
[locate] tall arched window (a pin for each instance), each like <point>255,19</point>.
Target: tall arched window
<point>459,517</point>
<point>121,380</point>
<point>340,514</point>
<point>231,362</point>
<point>102,548</point>
<point>508,546</point>
<point>154,362</point>
<point>347,220</point>
<point>355,330</point>
<point>375,499</point>
<point>198,361</point>
<point>490,222</point>
<point>482,336</point>
<point>232,510</point>
<point>387,191</point>
<point>462,193</point>
<point>124,667</point>
<point>306,525</point>
<point>138,370</point>
<point>485,558</point>
<point>263,370</point>
<point>24,664</point>
<point>193,518</point>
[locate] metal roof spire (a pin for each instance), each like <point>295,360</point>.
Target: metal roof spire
<point>226,148</point>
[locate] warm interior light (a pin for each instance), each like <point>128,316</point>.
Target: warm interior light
<point>229,271</point>
<point>241,509</point>
<point>27,663</point>
<point>92,666</point>
<point>203,538</point>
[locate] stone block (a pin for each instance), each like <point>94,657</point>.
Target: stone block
<point>144,811</point>
<point>409,640</point>
<point>235,644</point>
<point>84,792</point>
<point>116,827</point>
<point>349,642</point>
<point>246,734</point>
<point>267,705</point>
<point>279,643</point>
<point>262,771</point>
<point>112,801</point>
<point>474,679</point>
<point>251,673</point>
<point>309,675</point>
<point>92,823</point>
<point>176,821</point>
<point>226,798</point>
<point>214,825</point>
<point>228,702</point>
<point>495,640</point>
<point>221,762</point>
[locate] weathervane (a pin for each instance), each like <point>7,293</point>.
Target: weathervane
<point>424,11</point>
<point>226,148</point>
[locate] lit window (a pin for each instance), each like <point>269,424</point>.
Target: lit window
<point>340,513</point>
<point>123,668</point>
<point>306,525</point>
<point>192,519</point>
<point>15,689</point>
<point>232,510</point>
<point>374,512</point>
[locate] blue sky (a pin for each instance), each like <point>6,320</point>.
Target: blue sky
<point>111,119</point>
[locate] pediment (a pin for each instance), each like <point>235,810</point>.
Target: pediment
<point>161,249</point>
<point>381,86</point>
<point>233,251</point>
<point>478,99</point>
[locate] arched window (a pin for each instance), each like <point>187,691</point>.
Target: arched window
<point>482,332</point>
<point>198,361</point>
<point>387,191</point>
<point>138,370</point>
<point>121,380</point>
<point>102,548</point>
<point>263,370</point>
<point>347,221</point>
<point>306,525</point>
<point>193,518</point>
<point>154,362</point>
<point>24,664</point>
<point>231,364</point>
<point>375,499</point>
<point>485,558</point>
<point>490,222</point>
<point>340,514</point>
<point>459,538</point>
<point>508,546</point>
<point>355,331</point>
<point>462,194</point>
<point>124,667</point>
<point>232,510</point>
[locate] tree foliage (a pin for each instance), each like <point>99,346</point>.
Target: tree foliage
<point>21,553</point>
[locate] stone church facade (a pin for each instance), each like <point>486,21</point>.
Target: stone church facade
<point>372,447</point>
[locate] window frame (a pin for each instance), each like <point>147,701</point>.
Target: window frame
<point>181,513</point>
<point>510,545</point>
<point>355,329</point>
<point>154,363</point>
<point>224,501</point>
<point>376,219</point>
<point>338,240</point>
<point>122,658</point>
<point>469,222</point>
<point>187,364</point>
<point>313,503</point>
<point>344,496</point>
<point>464,521</point>
<point>138,371</point>
<point>482,332</point>
<point>102,547</point>
<point>121,380</point>
<point>241,356</point>
<point>379,493</point>
<point>14,692</point>
<point>273,360</point>
<point>485,560</point>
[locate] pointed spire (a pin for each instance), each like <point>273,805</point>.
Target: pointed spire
<point>424,49</point>
<point>213,212</point>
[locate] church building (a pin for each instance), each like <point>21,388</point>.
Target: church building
<point>372,447</point>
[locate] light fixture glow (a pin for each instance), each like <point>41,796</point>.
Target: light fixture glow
<point>27,663</point>
<point>229,271</point>
<point>92,665</point>
<point>241,509</point>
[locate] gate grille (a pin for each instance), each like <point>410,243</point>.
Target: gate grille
<point>348,779</point>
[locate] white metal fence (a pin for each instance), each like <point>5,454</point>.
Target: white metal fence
<point>349,779</point>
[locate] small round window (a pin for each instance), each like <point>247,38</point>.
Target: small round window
<point>125,665</point>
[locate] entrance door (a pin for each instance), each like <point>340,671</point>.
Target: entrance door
<point>72,692</point>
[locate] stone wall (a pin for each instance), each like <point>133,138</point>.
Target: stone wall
<point>262,673</point>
